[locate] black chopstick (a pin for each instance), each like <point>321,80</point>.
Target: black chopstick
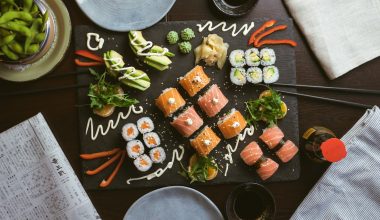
<point>58,75</point>
<point>340,89</point>
<point>348,103</point>
<point>33,91</point>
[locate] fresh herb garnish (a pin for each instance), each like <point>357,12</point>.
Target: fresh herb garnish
<point>199,170</point>
<point>267,108</point>
<point>103,93</point>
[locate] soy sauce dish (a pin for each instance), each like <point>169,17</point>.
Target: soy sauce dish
<point>250,201</point>
<point>234,8</point>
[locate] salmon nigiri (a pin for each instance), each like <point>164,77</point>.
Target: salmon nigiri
<point>194,81</point>
<point>205,141</point>
<point>272,136</point>
<point>212,101</point>
<point>232,124</point>
<point>267,168</point>
<point>287,151</point>
<point>170,101</point>
<point>187,122</point>
<point>251,153</point>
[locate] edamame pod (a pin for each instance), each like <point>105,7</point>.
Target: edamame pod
<point>9,53</point>
<point>10,15</point>
<point>32,49</point>
<point>16,47</point>
<point>39,37</point>
<point>27,5</point>
<point>35,26</point>
<point>17,27</point>
<point>7,39</point>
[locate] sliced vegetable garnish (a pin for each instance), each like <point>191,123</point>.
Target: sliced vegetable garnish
<point>272,41</point>
<point>89,55</point>
<point>100,154</point>
<point>104,165</point>
<point>268,32</point>
<point>108,181</point>
<point>267,24</point>
<point>87,64</point>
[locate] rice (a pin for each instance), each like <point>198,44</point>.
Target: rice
<point>143,163</point>
<point>145,125</point>
<point>157,155</point>
<point>267,56</point>
<point>129,131</point>
<point>151,139</point>
<point>237,58</point>
<point>254,75</point>
<point>252,57</point>
<point>270,74</point>
<point>135,148</point>
<point>237,76</point>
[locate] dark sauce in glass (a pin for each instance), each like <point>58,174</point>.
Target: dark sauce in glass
<point>235,2</point>
<point>249,205</point>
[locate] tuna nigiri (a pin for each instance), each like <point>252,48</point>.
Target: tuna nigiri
<point>251,153</point>
<point>187,122</point>
<point>205,141</point>
<point>170,101</point>
<point>287,151</point>
<point>272,136</point>
<point>212,101</point>
<point>194,81</point>
<point>267,168</point>
<point>232,124</point>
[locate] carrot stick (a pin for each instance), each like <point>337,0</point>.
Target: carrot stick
<point>89,55</point>
<point>99,154</point>
<point>267,24</point>
<point>268,32</point>
<point>104,165</point>
<point>283,41</point>
<point>107,182</point>
<point>81,63</point>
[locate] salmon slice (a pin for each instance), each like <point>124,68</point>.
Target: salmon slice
<point>205,142</point>
<point>170,101</point>
<point>232,124</point>
<point>212,101</point>
<point>267,168</point>
<point>287,151</point>
<point>272,136</point>
<point>187,122</point>
<point>251,153</point>
<point>194,81</point>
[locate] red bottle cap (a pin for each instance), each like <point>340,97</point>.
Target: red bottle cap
<point>333,150</point>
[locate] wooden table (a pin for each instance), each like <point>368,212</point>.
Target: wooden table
<point>60,110</point>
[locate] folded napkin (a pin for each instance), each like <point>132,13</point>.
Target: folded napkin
<point>350,189</point>
<point>343,34</point>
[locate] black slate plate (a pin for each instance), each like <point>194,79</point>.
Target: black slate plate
<point>238,172</point>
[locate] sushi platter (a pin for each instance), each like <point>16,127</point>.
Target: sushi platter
<point>172,119</point>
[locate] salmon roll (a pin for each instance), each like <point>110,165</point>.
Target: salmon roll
<point>251,153</point>
<point>135,148</point>
<point>232,124</point>
<point>267,168</point>
<point>187,122</point>
<point>272,136</point>
<point>205,141</point>
<point>213,101</point>
<point>129,131</point>
<point>145,125</point>
<point>194,81</point>
<point>151,139</point>
<point>170,101</point>
<point>287,151</point>
<point>157,155</point>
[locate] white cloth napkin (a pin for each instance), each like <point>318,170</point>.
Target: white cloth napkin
<point>350,189</point>
<point>343,34</point>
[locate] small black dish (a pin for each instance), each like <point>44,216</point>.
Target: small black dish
<point>250,201</point>
<point>234,8</point>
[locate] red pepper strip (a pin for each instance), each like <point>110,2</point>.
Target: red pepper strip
<point>104,165</point>
<point>267,24</point>
<point>268,32</point>
<point>270,41</point>
<point>81,63</point>
<point>107,182</point>
<point>99,154</point>
<point>89,55</point>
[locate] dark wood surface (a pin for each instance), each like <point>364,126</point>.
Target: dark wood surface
<point>59,108</point>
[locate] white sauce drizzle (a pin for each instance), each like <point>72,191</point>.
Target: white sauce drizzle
<point>248,131</point>
<point>235,124</point>
<point>189,121</point>
<point>245,28</point>
<point>197,79</point>
<point>207,142</point>
<point>98,39</point>
<point>171,101</point>
<point>215,101</point>
<point>111,124</point>
<point>146,46</point>
<point>159,172</point>
<point>129,71</point>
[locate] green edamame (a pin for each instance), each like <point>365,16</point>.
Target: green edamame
<point>16,47</point>
<point>9,53</point>
<point>10,15</point>
<point>27,5</point>
<point>33,29</point>
<point>7,39</point>
<point>34,11</point>
<point>17,27</point>
<point>45,19</point>
<point>32,49</point>
<point>39,37</point>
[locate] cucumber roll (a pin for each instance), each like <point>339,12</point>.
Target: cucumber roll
<point>237,76</point>
<point>270,74</point>
<point>267,56</point>
<point>252,57</point>
<point>237,58</point>
<point>254,75</point>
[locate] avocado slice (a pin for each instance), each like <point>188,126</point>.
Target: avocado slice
<point>238,75</point>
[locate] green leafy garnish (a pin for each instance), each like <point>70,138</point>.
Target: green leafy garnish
<point>199,170</point>
<point>103,93</point>
<point>267,108</point>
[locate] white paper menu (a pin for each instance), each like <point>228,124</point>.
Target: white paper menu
<point>36,179</point>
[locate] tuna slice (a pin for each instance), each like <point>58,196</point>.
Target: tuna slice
<point>272,136</point>
<point>251,153</point>
<point>267,168</point>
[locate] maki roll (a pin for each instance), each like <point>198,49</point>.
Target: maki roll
<point>194,81</point>
<point>232,124</point>
<point>129,131</point>
<point>205,141</point>
<point>213,101</point>
<point>157,155</point>
<point>254,75</point>
<point>237,58</point>
<point>145,125</point>
<point>187,122</point>
<point>135,148</point>
<point>151,139</point>
<point>143,163</point>
<point>270,74</point>
<point>170,101</point>
<point>237,76</point>
<point>267,56</point>
<point>252,57</point>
